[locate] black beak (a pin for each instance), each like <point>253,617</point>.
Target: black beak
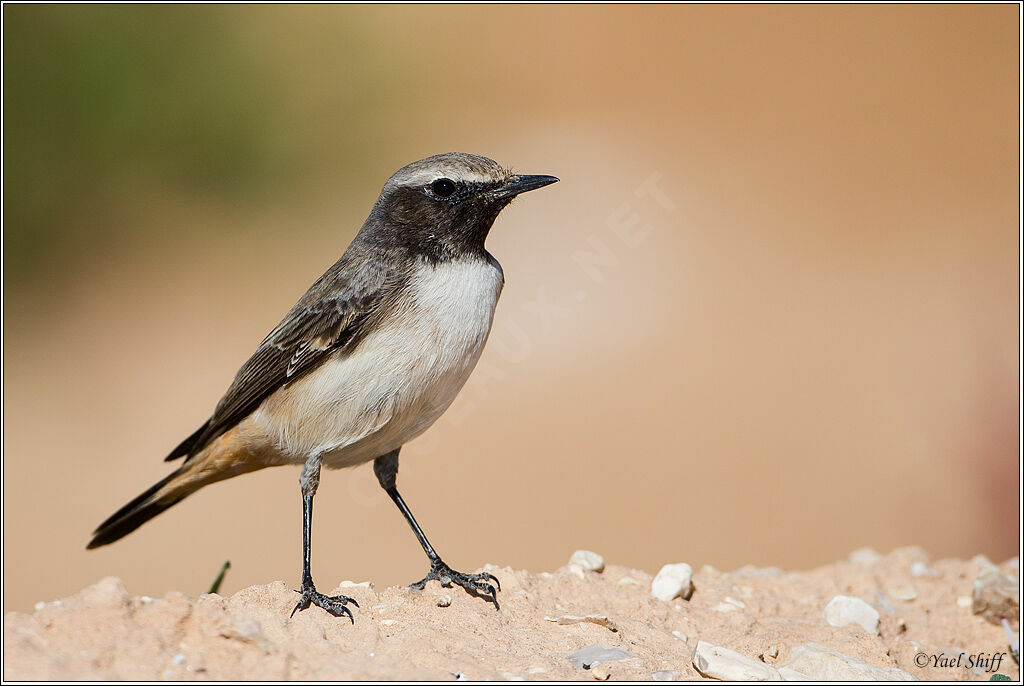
<point>520,183</point>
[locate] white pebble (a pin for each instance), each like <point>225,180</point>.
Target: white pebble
<point>629,581</point>
<point>922,569</point>
<point>680,636</point>
<point>673,581</point>
<point>588,560</point>
<point>601,673</point>
<point>905,593</point>
<point>845,610</point>
<point>728,665</point>
<point>444,601</point>
<point>40,606</point>
<point>178,659</point>
<point>388,622</point>
<point>965,601</point>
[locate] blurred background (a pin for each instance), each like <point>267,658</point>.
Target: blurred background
<point>770,314</point>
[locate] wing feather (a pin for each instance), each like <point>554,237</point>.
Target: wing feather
<point>330,316</point>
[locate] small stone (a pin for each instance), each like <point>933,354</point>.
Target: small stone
<point>352,584</point>
<point>821,663</point>
<point>178,659</point>
<point>905,593</point>
<point>389,622</point>
<point>444,601</point>
<point>920,569</point>
<point>40,606</point>
<point>629,581</point>
<point>995,595</point>
<point>587,657</point>
<point>964,601</point>
<point>145,599</point>
<point>666,675</point>
<point>865,556</point>
<point>459,676</point>
<point>680,636</point>
<point>772,652</point>
<point>601,673</point>
<point>588,560</point>
<point>846,610</point>
<point>728,665</point>
<point>673,581</point>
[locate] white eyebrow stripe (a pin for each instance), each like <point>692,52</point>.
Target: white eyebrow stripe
<point>425,176</point>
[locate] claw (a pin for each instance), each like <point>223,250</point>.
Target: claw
<point>473,583</point>
<point>334,604</point>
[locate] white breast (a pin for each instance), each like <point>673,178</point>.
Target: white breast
<point>396,382</point>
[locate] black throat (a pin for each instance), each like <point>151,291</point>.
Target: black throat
<point>406,218</point>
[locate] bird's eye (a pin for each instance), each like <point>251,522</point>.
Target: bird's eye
<point>443,188</point>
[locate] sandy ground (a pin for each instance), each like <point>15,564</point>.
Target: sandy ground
<point>770,617</point>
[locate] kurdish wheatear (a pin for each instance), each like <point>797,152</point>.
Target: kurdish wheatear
<point>366,360</point>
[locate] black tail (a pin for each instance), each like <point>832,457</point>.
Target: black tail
<point>133,515</point>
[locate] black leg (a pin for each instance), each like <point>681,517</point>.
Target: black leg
<point>386,469</point>
<point>335,604</point>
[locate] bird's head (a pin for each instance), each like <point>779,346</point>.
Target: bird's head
<point>446,204</point>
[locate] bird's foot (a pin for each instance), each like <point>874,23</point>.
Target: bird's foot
<point>476,584</point>
<point>335,604</point>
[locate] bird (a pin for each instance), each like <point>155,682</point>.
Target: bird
<point>368,358</point>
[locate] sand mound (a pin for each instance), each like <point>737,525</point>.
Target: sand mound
<point>570,624</point>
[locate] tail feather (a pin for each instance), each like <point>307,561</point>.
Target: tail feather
<point>134,514</point>
<point>224,458</point>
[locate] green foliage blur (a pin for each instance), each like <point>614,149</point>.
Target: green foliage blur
<point>98,99</point>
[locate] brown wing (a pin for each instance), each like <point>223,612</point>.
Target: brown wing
<point>330,316</point>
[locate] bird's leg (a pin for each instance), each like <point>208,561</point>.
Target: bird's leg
<point>335,604</point>
<point>386,469</point>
